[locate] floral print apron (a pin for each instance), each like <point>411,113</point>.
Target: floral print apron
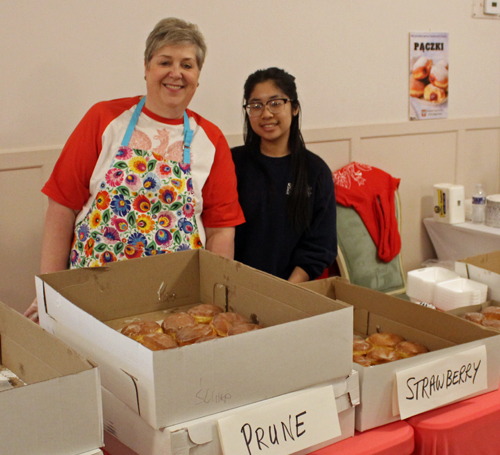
<point>145,206</point>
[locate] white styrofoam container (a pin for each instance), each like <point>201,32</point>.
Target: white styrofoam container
<point>421,283</point>
<point>200,436</point>
<point>459,292</point>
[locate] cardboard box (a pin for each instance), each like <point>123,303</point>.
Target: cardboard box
<point>59,410</point>
<point>444,334</point>
<point>200,436</point>
<point>484,268</point>
<point>306,338</point>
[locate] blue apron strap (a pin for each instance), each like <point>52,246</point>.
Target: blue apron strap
<point>133,122</point>
<point>188,137</point>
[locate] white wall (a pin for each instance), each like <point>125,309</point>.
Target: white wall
<point>350,58</point>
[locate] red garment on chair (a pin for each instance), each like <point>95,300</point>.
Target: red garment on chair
<point>370,191</point>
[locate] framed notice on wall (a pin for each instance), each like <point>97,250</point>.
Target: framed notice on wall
<point>428,76</point>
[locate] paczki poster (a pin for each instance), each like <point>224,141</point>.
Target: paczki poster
<point>428,76</point>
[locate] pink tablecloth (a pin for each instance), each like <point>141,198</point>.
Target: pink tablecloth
<point>470,427</point>
<point>392,439</point>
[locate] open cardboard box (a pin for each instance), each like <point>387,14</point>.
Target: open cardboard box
<point>59,410</point>
<point>484,268</point>
<point>200,436</point>
<point>444,334</point>
<point>306,339</point>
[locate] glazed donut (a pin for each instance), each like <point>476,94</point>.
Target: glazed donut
<point>492,323</point>
<point>242,328</point>
<point>222,322</point>
<point>136,330</point>
<point>473,316</point>
<point>207,338</point>
<point>421,68</point>
<point>491,312</point>
<point>361,347</point>
<point>434,94</point>
<point>189,335</point>
<point>385,339</point>
<point>158,341</point>
<point>439,76</point>
<point>384,354</point>
<point>204,312</point>
<point>416,88</point>
<point>362,360</point>
<point>173,322</point>
<point>410,348</point>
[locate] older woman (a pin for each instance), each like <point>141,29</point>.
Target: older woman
<point>144,175</point>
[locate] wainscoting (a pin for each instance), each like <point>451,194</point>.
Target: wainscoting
<point>462,151</point>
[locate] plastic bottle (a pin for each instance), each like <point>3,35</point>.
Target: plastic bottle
<point>478,204</point>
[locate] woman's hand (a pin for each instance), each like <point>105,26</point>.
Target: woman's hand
<point>299,275</point>
<point>220,241</point>
<point>57,237</point>
<point>32,312</point>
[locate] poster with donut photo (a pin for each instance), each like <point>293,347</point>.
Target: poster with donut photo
<point>428,76</point>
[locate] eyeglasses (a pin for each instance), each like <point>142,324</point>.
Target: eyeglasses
<point>275,106</point>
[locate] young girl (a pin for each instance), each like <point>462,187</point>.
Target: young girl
<point>286,192</point>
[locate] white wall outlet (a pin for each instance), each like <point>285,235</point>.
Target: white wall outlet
<point>491,6</point>
<point>486,9</point>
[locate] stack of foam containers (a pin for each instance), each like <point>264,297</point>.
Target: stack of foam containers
<point>443,288</point>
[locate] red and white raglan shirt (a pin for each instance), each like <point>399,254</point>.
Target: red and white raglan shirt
<point>91,148</point>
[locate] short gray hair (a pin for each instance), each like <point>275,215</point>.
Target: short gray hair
<point>173,31</point>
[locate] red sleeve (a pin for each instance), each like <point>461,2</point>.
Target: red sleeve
<point>221,207</point>
<point>69,182</point>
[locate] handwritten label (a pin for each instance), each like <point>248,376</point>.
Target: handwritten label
<point>440,382</point>
<point>283,426</point>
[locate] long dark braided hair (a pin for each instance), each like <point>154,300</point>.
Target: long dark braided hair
<point>299,205</point>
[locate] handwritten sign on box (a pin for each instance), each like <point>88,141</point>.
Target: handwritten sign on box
<point>283,427</point>
<point>441,382</point>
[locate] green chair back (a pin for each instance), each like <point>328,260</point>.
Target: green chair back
<point>358,259</point>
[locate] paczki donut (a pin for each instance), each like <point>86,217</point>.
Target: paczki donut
<point>492,323</point>
<point>204,312</point>
<point>385,339</point>
<point>158,341</point>
<point>410,348</point>
<point>189,335</point>
<point>439,76</point>
<point>136,330</point>
<point>491,312</point>
<point>242,328</point>
<point>434,94</point>
<point>173,322</point>
<point>421,68</point>
<point>384,354</point>
<point>361,347</point>
<point>474,316</point>
<point>223,322</point>
<point>416,88</point>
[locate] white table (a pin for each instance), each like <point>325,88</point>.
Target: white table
<point>459,241</point>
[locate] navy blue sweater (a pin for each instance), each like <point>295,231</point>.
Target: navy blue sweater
<point>268,241</point>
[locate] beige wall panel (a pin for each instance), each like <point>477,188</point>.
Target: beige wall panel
<point>481,161</point>
<point>419,161</point>
<point>21,227</point>
<point>335,153</point>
